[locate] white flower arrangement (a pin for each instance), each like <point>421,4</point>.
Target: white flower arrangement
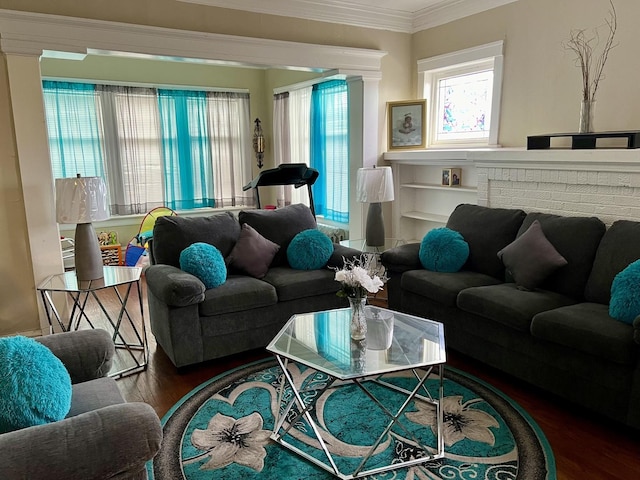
<point>360,276</point>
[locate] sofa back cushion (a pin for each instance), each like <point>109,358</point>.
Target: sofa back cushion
<point>487,231</point>
<point>172,234</point>
<point>279,226</point>
<point>619,246</point>
<point>576,239</point>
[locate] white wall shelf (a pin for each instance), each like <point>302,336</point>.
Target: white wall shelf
<point>422,202</point>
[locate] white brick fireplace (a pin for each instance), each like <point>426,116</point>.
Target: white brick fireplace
<point>601,182</point>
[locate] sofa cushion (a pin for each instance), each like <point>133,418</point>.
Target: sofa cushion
<point>238,293</point>
<point>508,305</point>
<point>487,231</point>
<point>309,250</point>
<point>443,250</point>
<point>625,294</point>
<point>531,258</point>
<point>292,284</point>
<point>576,239</point>
<point>280,226</point>
<point>172,234</point>
<point>252,252</point>
<point>588,328</point>
<point>205,262</point>
<point>443,287</point>
<point>619,246</point>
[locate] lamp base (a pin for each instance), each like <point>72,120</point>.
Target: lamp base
<point>375,226</point>
<point>88,258</point>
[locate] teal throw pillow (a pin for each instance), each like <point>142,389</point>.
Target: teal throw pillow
<point>205,262</point>
<point>309,250</point>
<point>35,387</point>
<point>625,294</point>
<point>443,250</point>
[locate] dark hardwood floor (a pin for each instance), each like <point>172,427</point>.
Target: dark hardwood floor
<point>585,446</point>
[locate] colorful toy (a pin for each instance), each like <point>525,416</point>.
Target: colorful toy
<point>137,249</point>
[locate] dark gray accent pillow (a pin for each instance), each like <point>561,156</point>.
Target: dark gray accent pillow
<point>279,226</point>
<point>531,258</point>
<point>252,253</point>
<point>486,230</point>
<point>172,234</point>
<point>576,239</point>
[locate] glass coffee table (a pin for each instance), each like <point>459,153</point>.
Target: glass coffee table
<point>321,341</point>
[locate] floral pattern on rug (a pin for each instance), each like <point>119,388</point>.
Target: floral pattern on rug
<point>228,437</point>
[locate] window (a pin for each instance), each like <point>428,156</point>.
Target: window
<point>183,149</point>
<point>311,125</point>
<point>463,91</point>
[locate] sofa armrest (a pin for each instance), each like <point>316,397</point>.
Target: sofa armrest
<point>636,329</point>
<point>340,252</point>
<point>104,443</point>
<point>402,258</point>
<point>86,354</point>
<point>173,286</point>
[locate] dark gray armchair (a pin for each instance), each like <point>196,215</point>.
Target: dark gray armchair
<point>102,437</point>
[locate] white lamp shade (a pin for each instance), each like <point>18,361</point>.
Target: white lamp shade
<point>374,184</point>
<point>81,200</point>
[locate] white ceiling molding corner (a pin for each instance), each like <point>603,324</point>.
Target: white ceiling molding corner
<point>447,11</point>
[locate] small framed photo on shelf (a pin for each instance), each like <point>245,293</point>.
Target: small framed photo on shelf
<point>406,124</point>
<point>451,177</point>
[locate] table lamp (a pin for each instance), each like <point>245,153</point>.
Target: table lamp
<point>82,200</point>
<point>374,185</point>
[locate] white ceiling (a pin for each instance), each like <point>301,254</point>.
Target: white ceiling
<point>407,16</point>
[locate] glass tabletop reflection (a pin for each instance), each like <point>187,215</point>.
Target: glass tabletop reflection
<point>113,276</point>
<point>395,342</point>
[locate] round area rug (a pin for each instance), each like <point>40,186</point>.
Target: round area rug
<point>221,429</point>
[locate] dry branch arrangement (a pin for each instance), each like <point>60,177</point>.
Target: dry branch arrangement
<point>585,45</point>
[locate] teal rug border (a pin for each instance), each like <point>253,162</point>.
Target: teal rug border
<point>539,432</point>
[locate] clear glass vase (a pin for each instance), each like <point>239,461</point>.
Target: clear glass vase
<point>358,326</point>
<point>587,111</point>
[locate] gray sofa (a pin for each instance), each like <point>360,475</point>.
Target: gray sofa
<point>102,437</point>
<point>559,336</point>
<point>193,324</point>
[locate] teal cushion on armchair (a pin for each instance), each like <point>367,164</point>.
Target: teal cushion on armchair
<point>35,387</point>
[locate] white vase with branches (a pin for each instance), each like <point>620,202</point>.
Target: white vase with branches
<point>591,57</point>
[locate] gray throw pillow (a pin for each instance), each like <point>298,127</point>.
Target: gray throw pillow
<point>252,252</point>
<point>279,226</point>
<point>531,258</point>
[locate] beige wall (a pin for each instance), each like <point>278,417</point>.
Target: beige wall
<point>18,306</point>
<point>542,86</point>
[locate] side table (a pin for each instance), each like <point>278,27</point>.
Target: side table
<point>126,334</point>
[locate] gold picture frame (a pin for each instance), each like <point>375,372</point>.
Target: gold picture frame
<point>406,124</point>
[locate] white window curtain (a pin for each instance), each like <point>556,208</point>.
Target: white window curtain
<point>132,148</point>
<point>281,142</point>
<point>300,136</point>
<point>231,151</point>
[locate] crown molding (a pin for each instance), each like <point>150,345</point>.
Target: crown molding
<point>360,15</point>
<point>25,33</point>
<point>446,11</point>
<point>332,11</point>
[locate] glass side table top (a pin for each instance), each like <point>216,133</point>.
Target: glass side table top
<point>113,276</point>
<point>361,244</point>
<point>321,341</point>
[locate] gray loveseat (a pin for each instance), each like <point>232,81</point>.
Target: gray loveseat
<point>559,336</point>
<point>102,436</point>
<point>193,324</point>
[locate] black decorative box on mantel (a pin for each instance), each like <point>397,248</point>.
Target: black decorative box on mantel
<point>583,140</point>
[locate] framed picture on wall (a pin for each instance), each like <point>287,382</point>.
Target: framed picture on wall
<point>406,124</point>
